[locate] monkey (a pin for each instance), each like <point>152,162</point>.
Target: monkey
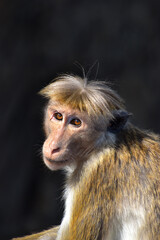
<point>112,189</point>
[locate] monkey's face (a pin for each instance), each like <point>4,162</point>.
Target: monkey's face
<point>70,137</point>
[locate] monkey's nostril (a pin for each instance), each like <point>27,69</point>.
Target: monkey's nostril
<point>55,150</point>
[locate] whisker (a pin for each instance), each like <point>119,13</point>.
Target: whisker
<point>81,68</point>
<point>90,69</point>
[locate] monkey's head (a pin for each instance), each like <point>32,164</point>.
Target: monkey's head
<point>79,118</point>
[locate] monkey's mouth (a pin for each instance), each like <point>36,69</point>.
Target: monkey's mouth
<point>55,164</point>
<point>56,161</point>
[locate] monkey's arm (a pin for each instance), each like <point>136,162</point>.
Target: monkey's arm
<point>51,232</point>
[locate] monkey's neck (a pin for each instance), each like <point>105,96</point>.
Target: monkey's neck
<point>75,175</point>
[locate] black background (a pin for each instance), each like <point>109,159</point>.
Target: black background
<point>38,40</point>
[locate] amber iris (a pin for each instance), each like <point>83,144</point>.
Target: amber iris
<point>76,122</point>
<point>58,116</point>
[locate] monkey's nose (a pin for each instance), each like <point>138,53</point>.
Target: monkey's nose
<point>55,150</point>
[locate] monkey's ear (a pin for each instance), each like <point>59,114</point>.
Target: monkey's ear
<point>119,121</point>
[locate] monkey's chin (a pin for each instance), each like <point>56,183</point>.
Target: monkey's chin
<point>55,164</point>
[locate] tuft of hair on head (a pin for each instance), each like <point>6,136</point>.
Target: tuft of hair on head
<point>94,97</point>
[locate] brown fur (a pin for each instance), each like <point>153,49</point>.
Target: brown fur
<point>95,97</point>
<point>128,173</point>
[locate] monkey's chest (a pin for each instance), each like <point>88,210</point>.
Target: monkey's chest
<point>128,226</point>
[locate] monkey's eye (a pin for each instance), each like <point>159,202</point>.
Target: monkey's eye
<point>77,122</point>
<point>58,116</point>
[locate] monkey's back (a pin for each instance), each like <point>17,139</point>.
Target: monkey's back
<point>123,187</point>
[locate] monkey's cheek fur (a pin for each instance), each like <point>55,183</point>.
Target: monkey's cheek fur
<point>54,164</point>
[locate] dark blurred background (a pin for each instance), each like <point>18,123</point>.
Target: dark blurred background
<point>38,40</point>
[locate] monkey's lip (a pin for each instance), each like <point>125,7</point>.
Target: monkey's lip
<point>56,161</point>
